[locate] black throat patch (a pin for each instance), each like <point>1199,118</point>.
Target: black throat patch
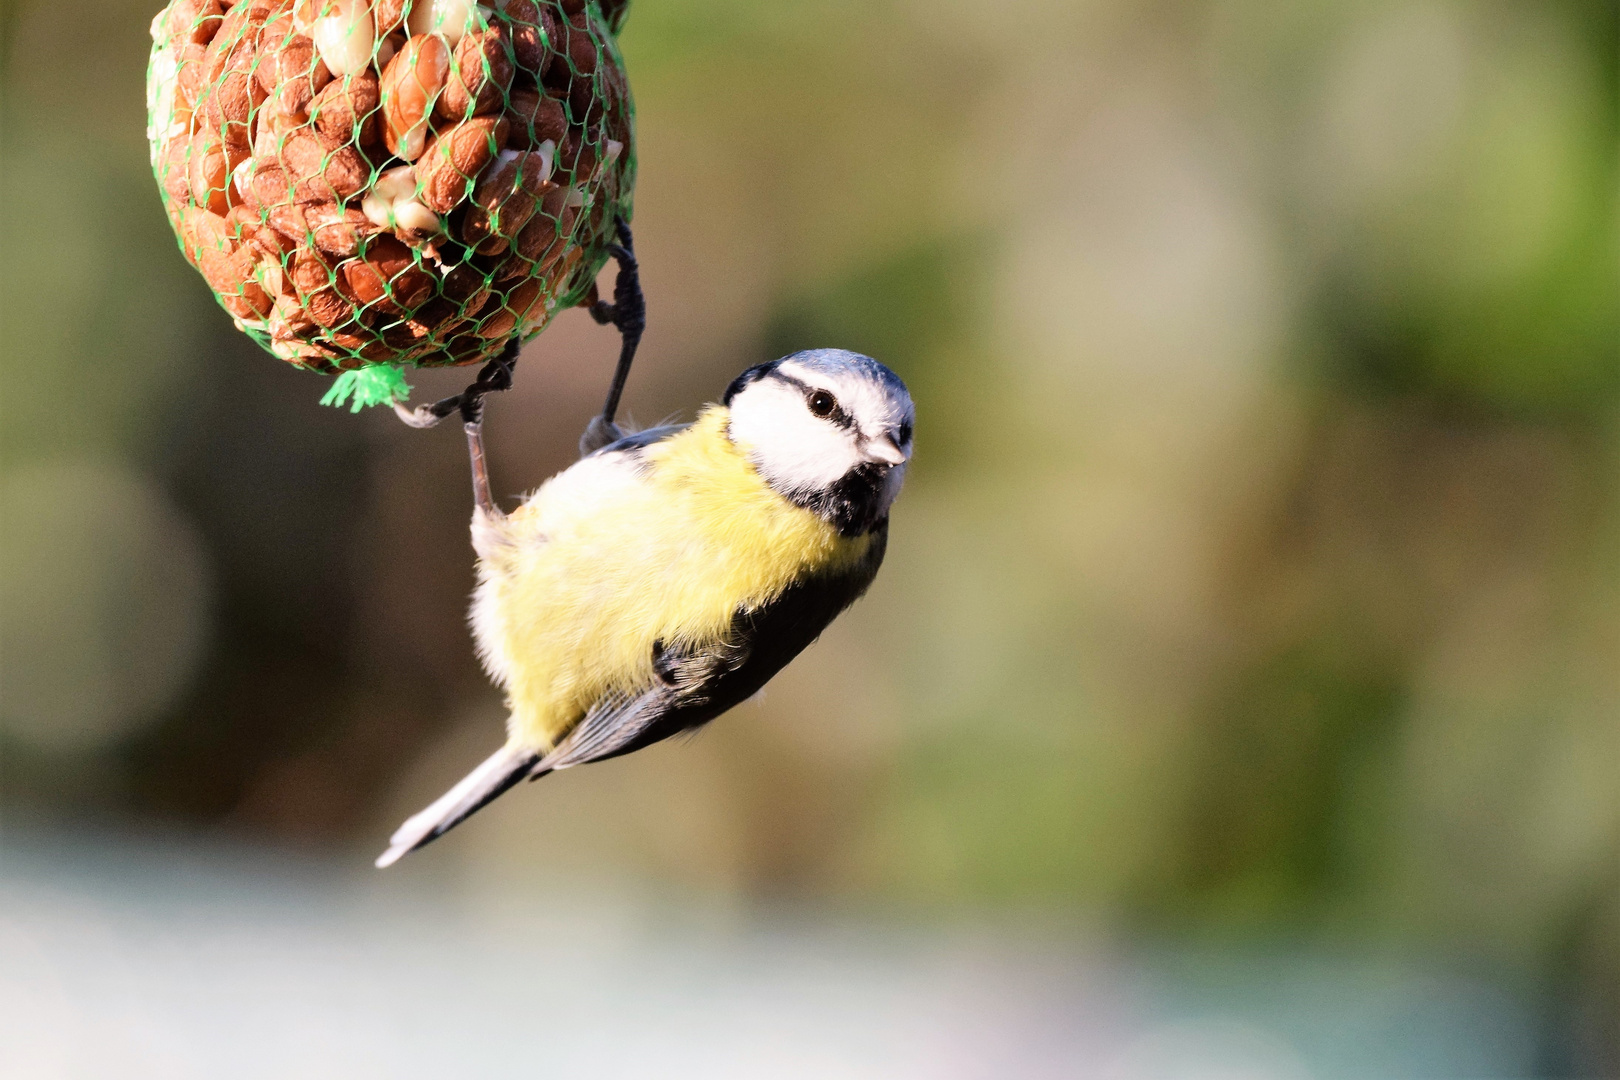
<point>853,504</point>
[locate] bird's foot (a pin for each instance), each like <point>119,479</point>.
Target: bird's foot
<point>628,313</point>
<point>496,376</point>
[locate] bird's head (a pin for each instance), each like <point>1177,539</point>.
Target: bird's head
<point>829,430</point>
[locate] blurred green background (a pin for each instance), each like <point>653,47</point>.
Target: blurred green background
<point>1257,581</point>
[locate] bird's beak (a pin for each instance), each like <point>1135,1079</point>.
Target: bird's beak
<point>885,449</point>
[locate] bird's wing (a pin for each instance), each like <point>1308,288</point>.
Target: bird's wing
<point>697,684</point>
<point>620,723</point>
<point>640,440</point>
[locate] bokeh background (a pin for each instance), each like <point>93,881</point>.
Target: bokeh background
<point>1241,697</point>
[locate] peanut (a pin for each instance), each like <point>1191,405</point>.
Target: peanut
<point>174,168</point>
<point>452,161</point>
<point>480,75</point>
<point>320,169</point>
<point>388,15</point>
<point>497,324</point>
<point>293,71</point>
<point>231,92</point>
<point>304,14</point>
<point>228,267</point>
<point>385,277</point>
<point>582,51</point>
<point>467,286</point>
<point>506,196</point>
<point>450,18</point>
<point>570,75</point>
<point>289,220</point>
<point>309,272</point>
<point>517,306</point>
<point>245,297</point>
<point>391,203</point>
<point>267,185</point>
<point>549,232</point>
<point>211,163</point>
<point>247,226</point>
<point>436,314</point>
<point>502,268</point>
<point>240,31</point>
<point>612,104</point>
<point>346,110</point>
<point>467,348</point>
<point>190,67</point>
<point>530,28</point>
<point>378,211</point>
<point>413,221</point>
<point>535,119</point>
<point>344,35</point>
<point>397,183</point>
<point>337,230</point>
<point>314,281</point>
<point>410,86</point>
<point>289,321</point>
<point>201,231</point>
<point>273,123</point>
<point>365,344</point>
<point>327,308</point>
<point>193,20</point>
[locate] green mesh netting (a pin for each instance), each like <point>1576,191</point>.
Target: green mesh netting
<point>369,185</point>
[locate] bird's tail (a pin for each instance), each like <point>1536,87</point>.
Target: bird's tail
<point>476,790</point>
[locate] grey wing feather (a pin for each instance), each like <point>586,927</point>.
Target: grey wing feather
<point>641,439</point>
<point>617,723</point>
<point>607,728</point>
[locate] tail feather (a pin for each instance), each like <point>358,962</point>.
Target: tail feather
<point>476,790</point>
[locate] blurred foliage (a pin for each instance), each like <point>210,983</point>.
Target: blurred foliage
<point>1490,281</point>
<point>1298,757</point>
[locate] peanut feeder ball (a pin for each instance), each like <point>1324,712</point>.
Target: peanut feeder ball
<point>369,184</point>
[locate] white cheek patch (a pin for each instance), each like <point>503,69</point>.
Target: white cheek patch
<point>879,413</point>
<point>793,449</point>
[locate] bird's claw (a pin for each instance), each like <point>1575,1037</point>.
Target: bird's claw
<point>627,312</point>
<point>496,376</point>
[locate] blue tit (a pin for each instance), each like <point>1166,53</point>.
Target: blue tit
<point>666,577</point>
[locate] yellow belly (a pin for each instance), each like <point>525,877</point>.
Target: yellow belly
<point>600,563</point>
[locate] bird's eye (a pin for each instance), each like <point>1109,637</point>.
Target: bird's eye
<point>905,434</point>
<point>822,403</point>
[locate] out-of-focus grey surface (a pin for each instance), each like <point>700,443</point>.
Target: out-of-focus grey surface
<point>135,959</point>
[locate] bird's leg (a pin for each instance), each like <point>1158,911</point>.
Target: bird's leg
<point>497,375</point>
<point>483,501</point>
<point>627,312</point>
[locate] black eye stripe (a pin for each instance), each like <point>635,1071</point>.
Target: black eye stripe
<point>782,376</point>
<point>838,415</point>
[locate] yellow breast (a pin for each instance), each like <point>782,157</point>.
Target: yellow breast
<point>604,560</point>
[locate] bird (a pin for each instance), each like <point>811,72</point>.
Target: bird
<point>667,576</point>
